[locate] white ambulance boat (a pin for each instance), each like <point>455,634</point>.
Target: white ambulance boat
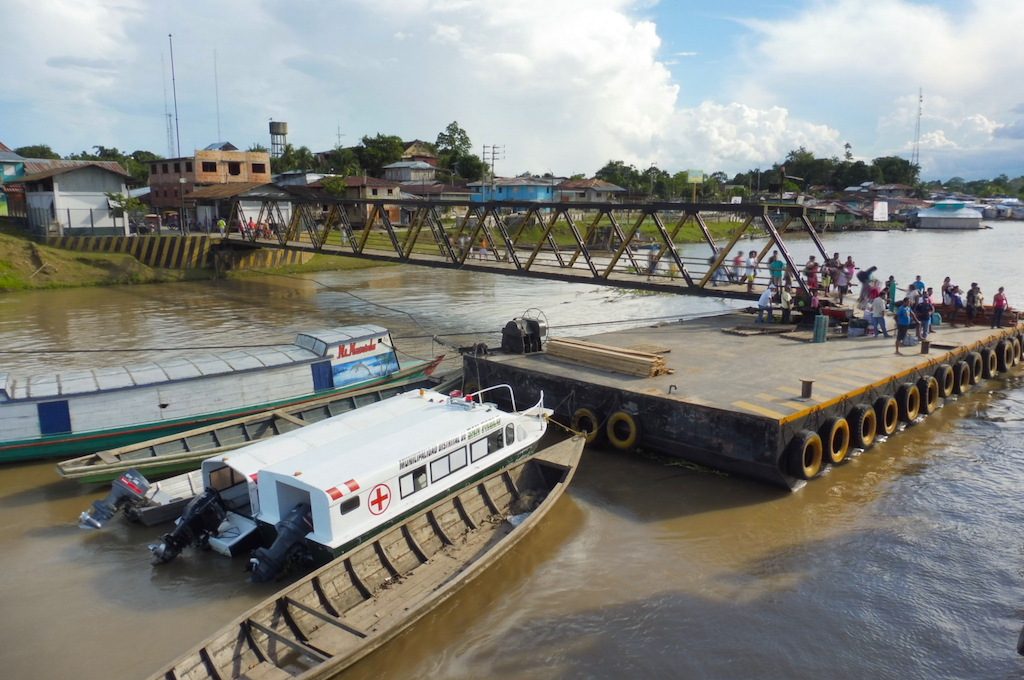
<point>307,496</point>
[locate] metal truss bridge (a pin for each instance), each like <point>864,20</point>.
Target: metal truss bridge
<point>627,245</point>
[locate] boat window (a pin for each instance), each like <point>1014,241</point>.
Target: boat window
<point>413,482</point>
<point>458,458</point>
<point>440,468</point>
<point>478,450</point>
<point>225,478</point>
<point>495,441</point>
<point>510,433</point>
<point>349,505</point>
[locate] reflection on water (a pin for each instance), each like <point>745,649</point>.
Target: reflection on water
<point>902,563</point>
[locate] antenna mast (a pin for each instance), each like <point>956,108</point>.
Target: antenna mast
<point>167,114</point>
<point>174,89</point>
<point>915,158</point>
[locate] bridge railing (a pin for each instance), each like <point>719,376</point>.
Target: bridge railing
<point>599,242</point>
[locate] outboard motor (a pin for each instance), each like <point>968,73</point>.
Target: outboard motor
<point>202,516</point>
<point>127,490</point>
<point>523,335</point>
<point>267,564</point>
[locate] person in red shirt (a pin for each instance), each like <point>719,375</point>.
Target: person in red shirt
<point>999,305</point>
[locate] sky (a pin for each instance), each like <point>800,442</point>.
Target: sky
<point>563,86</point>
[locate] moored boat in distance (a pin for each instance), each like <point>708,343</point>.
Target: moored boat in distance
<point>327,621</point>
<point>82,411</point>
<point>309,495</point>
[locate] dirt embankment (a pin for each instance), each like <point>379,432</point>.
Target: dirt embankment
<point>25,265</point>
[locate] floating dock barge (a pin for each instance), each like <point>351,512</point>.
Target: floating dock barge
<point>761,405</point>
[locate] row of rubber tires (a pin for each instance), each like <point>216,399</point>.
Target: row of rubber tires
<point>808,452</point>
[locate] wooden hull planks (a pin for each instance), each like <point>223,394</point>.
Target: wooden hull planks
<point>350,607</point>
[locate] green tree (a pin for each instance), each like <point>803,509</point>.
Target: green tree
<point>335,186</point>
<point>895,170</point>
<point>342,161</point>
<point>37,151</point>
<point>257,147</point>
<point>453,141</point>
<point>376,152</point>
<point>470,168</point>
<point>625,176</point>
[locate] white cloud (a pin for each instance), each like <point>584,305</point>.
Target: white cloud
<point>864,62</point>
<point>565,86</point>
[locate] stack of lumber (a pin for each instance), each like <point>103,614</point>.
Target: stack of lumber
<point>617,359</point>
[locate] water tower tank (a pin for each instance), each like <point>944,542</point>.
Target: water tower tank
<point>278,138</point>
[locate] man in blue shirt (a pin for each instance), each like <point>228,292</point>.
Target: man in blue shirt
<point>904,322</point>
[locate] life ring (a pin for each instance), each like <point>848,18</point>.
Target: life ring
<point>804,456</point>
<point>622,430</point>
<point>888,413</point>
<point>587,421</point>
<point>1004,356</point>
<point>976,365</point>
<point>835,439</point>
<point>1015,342</point>
<point>908,397</point>
<point>944,376</point>
<point>863,425</point>
<point>928,386</point>
<point>961,377</point>
<point>990,364</point>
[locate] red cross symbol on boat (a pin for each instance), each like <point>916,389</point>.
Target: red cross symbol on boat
<point>380,498</point>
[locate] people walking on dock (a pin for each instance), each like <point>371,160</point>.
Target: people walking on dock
<point>775,268</point>
<point>890,291</point>
<point>829,269</point>
<point>923,310</point>
<point>863,278</point>
<point>904,321</point>
<point>811,272</point>
<point>751,270</point>
<point>878,317</point>
<point>956,300</point>
<point>975,302</point>
<point>786,304</point>
<point>736,275</point>
<point>764,302</point>
<point>842,284</point>
<point>999,305</point>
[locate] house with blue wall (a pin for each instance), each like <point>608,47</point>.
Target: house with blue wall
<point>534,189</point>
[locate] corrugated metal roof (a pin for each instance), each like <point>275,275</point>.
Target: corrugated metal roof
<point>596,184</point>
<point>307,347</point>
<point>53,171</point>
<point>414,165</point>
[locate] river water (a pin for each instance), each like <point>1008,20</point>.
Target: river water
<point>904,563</point>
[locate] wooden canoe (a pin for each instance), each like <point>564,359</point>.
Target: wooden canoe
<point>156,458</point>
<point>335,616</point>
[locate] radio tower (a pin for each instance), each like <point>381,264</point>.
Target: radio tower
<point>167,113</point>
<point>915,158</point>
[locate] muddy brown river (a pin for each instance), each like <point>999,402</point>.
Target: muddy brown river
<point>904,563</point>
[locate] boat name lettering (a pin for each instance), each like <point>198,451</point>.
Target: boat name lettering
<point>426,453</point>
<point>485,427</point>
<point>351,349</point>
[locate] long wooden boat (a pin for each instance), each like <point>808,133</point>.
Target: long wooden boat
<point>80,411</point>
<point>335,616</point>
<point>163,456</point>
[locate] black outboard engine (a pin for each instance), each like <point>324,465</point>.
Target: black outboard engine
<point>201,517</point>
<point>523,335</point>
<point>267,564</point>
<point>128,489</point>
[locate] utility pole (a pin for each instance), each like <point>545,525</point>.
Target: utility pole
<point>495,152</point>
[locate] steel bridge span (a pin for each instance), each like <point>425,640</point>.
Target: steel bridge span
<point>627,245</point>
